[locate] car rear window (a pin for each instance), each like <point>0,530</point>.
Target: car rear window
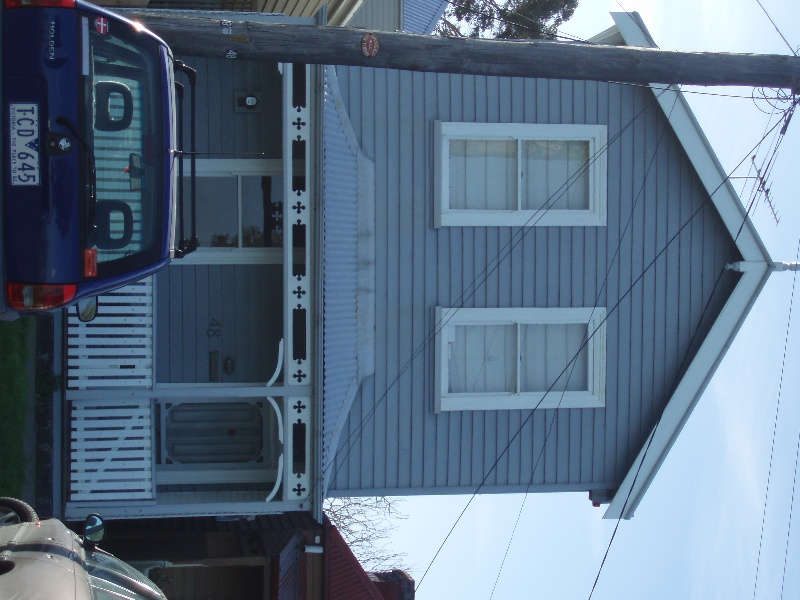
<point>124,123</point>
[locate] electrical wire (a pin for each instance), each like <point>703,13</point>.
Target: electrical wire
<point>650,265</point>
<point>788,45</point>
<point>570,365</point>
<point>655,427</point>
<point>597,300</point>
<point>775,427</point>
<point>791,514</point>
<point>439,326</point>
<point>622,298</point>
<point>471,289</point>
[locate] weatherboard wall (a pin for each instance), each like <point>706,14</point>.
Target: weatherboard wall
<point>222,130</point>
<point>393,441</point>
<point>210,313</point>
<point>218,323</point>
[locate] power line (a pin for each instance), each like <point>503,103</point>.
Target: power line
<point>791,514</point>
<point>597,300</point>
<point>775,427</point>
<point>788,45</point>
<point>658,422</point>
<point>570,365</point>
<point>471,289</point>
<point>438,326</point>
<point>650,265</point>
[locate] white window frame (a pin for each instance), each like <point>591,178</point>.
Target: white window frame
<point>594,397</point>
<point>595,215</point>
<point>234,168</point>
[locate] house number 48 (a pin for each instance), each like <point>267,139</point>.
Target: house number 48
<point>214,328</point>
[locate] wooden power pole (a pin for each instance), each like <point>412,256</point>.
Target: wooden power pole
<point>190,34</point>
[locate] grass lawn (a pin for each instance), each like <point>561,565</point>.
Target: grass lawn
<point>13,398</point>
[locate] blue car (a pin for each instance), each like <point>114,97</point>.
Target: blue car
<point>89,153</point>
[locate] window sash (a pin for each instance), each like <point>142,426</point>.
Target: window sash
<point>519,174</point>
<point>492,359</point>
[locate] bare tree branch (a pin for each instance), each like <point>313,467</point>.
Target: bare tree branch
<point>366,524</point>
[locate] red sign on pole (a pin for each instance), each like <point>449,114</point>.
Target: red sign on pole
<point>370,45</point>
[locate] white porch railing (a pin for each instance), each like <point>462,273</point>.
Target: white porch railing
<point>116,348</point>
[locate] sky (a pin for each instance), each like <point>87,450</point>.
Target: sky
<point>698,531</point>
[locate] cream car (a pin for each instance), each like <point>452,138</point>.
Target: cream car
<point>44,559</point>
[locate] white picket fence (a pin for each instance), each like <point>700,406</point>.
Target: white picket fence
<point>111,455</point>
<point>116,348</point>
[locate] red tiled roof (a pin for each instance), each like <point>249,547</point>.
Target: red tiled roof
<point>346,578</point>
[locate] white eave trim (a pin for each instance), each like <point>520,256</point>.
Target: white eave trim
<point>697,148</point>
<point>724,329</point>
<point>686,395</point>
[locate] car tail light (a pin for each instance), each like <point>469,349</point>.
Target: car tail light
<point>23,296</point>
<point>39,3</point>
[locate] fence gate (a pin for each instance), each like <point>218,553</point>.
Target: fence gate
<point>111,454</point>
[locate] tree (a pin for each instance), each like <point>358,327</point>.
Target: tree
<point>512,19</point>
<point>365,524</point>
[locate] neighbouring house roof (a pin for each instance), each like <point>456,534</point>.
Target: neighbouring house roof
<point>411,16</point>
<point>629,29</point>
<point>421,16</point>
<point>341,11</point>
<point>345,577</point>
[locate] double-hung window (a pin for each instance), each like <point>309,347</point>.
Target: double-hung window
<point>496,174</point>
<point>520,358</point>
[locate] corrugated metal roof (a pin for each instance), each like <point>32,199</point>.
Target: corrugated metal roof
<point>348,267</point>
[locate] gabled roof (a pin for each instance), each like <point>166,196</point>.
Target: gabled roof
<point>629,29</point>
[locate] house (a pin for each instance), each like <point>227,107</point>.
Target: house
<point>268,557</point>
<point>620,262</point>
<point>416,283</point>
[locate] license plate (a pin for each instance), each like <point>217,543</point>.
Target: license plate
<point>24,143</point>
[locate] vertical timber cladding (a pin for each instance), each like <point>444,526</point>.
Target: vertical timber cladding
<point>297,271</point>
<point>218,322</point>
